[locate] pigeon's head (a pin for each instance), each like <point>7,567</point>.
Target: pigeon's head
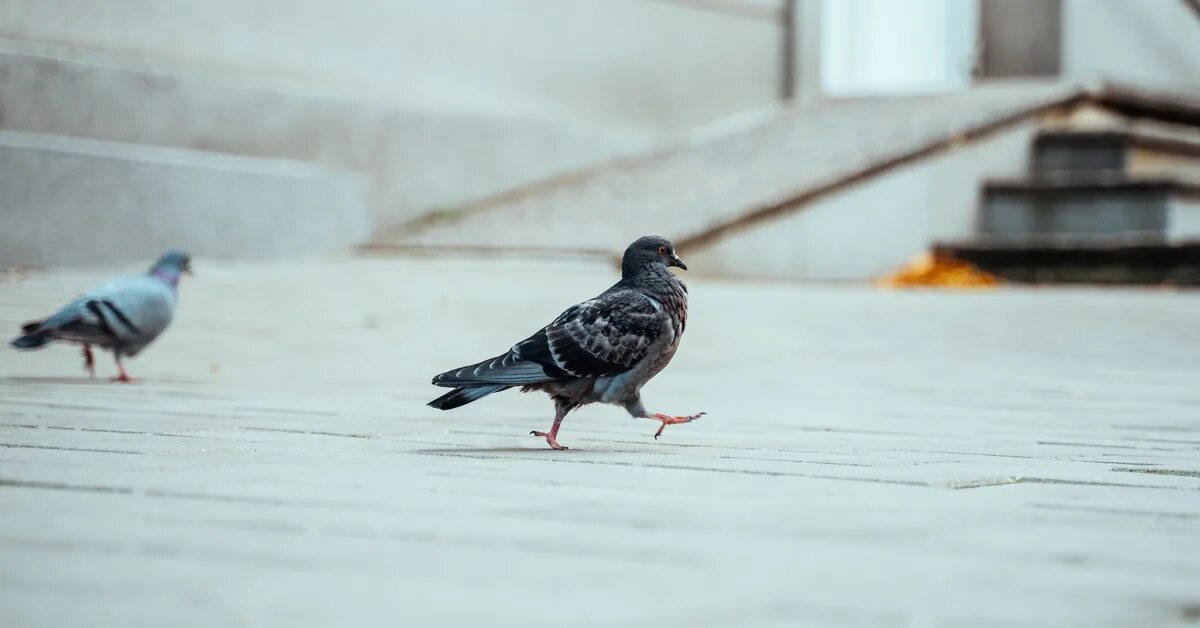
<point>171,265</point>
<point>650,251</point>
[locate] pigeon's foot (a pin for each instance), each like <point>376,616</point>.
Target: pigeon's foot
<point>672,420</point>
<point>550,440</point>
<point>89,361</point>
<point>122,376</point>
<point>560,411</point>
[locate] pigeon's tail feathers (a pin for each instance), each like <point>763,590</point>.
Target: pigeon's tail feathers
<point>462,396</point>
<point>70,323</point>
<point>35,340</point>
<point>32,336</point>
<point>507,370</point>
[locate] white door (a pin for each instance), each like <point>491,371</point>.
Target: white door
<point>876,47</point>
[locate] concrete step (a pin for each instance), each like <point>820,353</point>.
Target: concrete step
<point>72,201</point>
<point>788,197</point>
<point>418,159</point>
<point>1144,150</point>
<point>729,181</point>
<point>1094,263</point>
<point>1071,207</point>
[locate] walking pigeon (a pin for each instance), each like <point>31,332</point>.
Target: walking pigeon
<point>602,350</point>
<point>123,316</point>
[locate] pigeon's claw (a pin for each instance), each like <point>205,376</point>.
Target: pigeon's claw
<point>672,420</point>
<point>122,376</point>
<point>552,436</point>
<point>550,440</point>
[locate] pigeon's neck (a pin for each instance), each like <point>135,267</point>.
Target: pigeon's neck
<point>166,275</point>
<point>647,276</point>
<point>635,272</point>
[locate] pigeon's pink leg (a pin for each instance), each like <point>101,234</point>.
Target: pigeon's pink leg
<point>89,361</point>
<point>122,376</point>
<point>671,420</point>
<point>552,436</point>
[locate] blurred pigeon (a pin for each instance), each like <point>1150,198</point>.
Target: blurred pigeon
<point>123,316</point>
<point>602,350</point>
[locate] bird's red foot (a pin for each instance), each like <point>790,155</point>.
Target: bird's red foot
<point>124,378</point>
<point>550,440</point>
<point>672,420</point>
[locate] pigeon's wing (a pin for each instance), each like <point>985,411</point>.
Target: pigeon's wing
<point>143,305</point>
<point>604,336</point>
<point>74,321</point>
<point>126,312</point>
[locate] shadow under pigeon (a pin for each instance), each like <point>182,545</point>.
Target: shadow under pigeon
<point>97,381</point>
<point>476,451</point>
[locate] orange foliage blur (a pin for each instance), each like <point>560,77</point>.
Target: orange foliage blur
<point>939,271</point>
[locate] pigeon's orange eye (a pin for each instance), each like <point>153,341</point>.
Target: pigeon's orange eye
<point>662,250</point>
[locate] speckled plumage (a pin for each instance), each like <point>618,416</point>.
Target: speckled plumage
<point>602,350</point>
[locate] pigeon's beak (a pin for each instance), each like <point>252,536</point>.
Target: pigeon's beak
<point>675,261</point>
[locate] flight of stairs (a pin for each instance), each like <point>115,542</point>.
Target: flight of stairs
<point>1113,204</point>
<point>109,158</point>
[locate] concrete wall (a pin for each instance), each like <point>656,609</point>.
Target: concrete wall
<point>72,201</point>
<point>875,226</point>
<point>1148,41</point>
<point>417,160</point>
<point>1155,42</point>
<point>655,65</point>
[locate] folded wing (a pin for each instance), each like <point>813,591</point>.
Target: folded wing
<point>602,337</point>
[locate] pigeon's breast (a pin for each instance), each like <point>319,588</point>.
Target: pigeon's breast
<point>674,302</point>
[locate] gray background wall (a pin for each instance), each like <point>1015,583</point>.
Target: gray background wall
<point>1154,42</point>
<point>642,63</point>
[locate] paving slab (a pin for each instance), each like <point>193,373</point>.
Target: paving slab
<point>1017,457</point>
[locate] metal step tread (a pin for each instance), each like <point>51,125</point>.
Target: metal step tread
<point>1175,140</point>
<point>1144,261</point>
<point>1064,183</point>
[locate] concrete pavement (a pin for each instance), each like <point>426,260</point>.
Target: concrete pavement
<point>1018,457</point>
